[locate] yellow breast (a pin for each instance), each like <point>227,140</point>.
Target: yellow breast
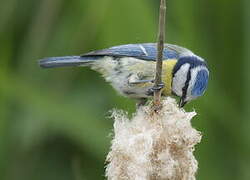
<point>167,77</point>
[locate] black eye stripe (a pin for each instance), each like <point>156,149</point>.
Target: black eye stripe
<point>184,89</point>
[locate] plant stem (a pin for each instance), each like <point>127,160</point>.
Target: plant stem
<point>160,48</point>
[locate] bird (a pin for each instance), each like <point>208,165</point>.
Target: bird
<point>131,68</point>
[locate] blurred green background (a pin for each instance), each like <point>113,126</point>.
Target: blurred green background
<point>54,123</point>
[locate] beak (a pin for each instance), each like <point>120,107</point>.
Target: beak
<point>182,102</point>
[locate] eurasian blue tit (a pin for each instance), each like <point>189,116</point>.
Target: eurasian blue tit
<point>130,69</point>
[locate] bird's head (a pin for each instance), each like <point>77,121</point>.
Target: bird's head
<point>190,78</point>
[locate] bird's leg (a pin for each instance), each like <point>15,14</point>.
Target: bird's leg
<point>141,102</point>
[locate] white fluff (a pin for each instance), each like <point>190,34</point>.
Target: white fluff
<point>153,146</point>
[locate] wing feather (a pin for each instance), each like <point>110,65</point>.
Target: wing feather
<point>147,51</point>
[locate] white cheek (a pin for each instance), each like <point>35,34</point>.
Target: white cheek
<point>179,79</point>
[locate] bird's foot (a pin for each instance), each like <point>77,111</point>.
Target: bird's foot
<point>155,88</point>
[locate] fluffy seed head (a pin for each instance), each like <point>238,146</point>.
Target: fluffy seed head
<point>153,146</point>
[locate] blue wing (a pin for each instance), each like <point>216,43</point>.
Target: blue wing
<point>147,51</point>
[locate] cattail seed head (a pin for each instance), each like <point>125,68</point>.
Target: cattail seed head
<point>153,146</point>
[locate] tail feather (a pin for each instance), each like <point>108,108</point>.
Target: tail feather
<point>65,61</point>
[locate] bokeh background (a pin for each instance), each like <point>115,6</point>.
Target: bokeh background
<point>54,123</point>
